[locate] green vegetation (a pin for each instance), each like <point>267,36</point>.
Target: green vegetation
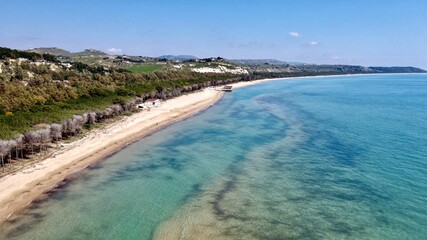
<point>34,92</point>
<point>397,69</point>
<point>6,53</point>
<point>43,90</point>
<point>55,112</point>
<point>43,100</point>
<point>144,68</point>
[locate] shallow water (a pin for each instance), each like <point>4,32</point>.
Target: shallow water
<point>315,158</point>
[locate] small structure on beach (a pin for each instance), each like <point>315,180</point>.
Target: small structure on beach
<point>224,88</point>
<point>227,88</point>
<point>152,102</point>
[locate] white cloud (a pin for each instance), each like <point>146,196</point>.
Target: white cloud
<point>114,50</point>
<point>313,43</point>
<point>335,57</point>
<point>294,34</point>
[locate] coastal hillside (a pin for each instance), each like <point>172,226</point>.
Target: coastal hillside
<point>397,69</point>
<point>45,99</point>
<point>51,50</point>
<point>46,96</point>
<point>42,87</point>
<point>275,70</point>
<point>213,120</point>
<point>64,53</point>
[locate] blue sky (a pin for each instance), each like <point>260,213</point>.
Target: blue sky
<point>374,32</point>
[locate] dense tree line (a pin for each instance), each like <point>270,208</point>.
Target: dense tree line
<point>38,140</point>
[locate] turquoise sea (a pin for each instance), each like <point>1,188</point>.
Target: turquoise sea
<point>316,158</point>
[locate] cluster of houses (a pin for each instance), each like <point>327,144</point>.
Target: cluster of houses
<point>149,103</point>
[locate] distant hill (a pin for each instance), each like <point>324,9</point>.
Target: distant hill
<point>178,57</point>
<point>90,52</point>
<point>6,53</point>
<point>51,50</point>
<point>61,52</point>
<point>93,56</point>
<point>398,69</point>
<point>326,68</point>
<point>296,63</point>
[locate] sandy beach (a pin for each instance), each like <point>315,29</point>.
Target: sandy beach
<point>18,190</point>
<point>250,83</point>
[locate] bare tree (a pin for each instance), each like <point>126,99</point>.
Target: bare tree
<point>108,112</point>
<point>56,131</point>
<point>117,109</point>
<point>131,105</point>
<point>70,127</point>
<point>64,126</point>
<point>11,144</point>
<point>100,115</point>
<point>30,139</point>
<point>139,100</point>
<point>91,118</point>
<point>19,145</point>
<point>85,117</point>
<point>126,106</point>
<point>45,137</point>
<point>3,151</point>
<point>38,139</point>
<point>78,122</point>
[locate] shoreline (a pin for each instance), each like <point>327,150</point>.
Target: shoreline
<point>253,82</point>
<point>18,190</point>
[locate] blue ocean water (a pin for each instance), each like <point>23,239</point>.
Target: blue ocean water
<point>315,158</point>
